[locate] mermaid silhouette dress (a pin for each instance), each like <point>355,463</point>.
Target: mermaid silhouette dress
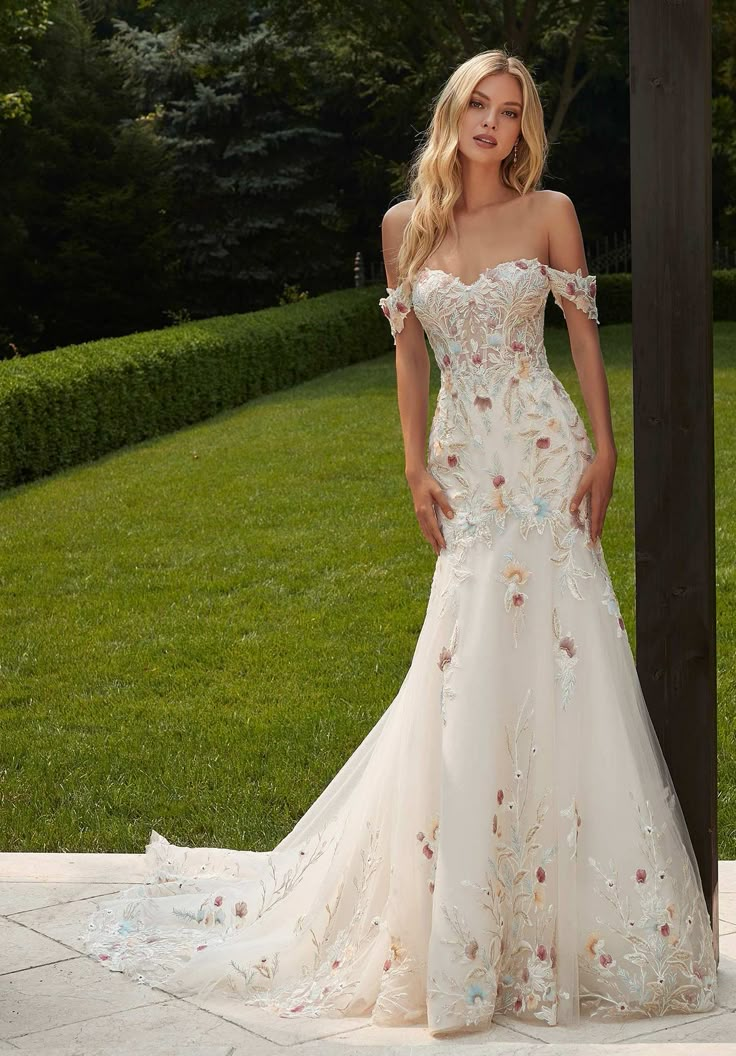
<point>507,837</point>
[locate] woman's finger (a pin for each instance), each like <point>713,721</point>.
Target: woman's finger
<point>441,500</point>
<point>579,495</point>
<point>430,528</point>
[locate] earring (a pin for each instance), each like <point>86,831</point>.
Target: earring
<point>515,153</point>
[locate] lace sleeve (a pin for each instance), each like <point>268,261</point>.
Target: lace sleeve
<point>578,288</point>
<point>396,306</point>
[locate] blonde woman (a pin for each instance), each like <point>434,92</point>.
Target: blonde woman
<point>506,840</point>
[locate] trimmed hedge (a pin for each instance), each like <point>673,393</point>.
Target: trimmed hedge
<point>72,405</point>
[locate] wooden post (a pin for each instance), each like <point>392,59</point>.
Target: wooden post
<point>671,235</point>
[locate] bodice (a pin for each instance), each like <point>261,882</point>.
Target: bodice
<point>505,437</point>
<point>497,320</point>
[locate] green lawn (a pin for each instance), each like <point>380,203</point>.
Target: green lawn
<point>200,629</point>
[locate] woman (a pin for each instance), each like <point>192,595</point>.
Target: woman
<point>506,839</point>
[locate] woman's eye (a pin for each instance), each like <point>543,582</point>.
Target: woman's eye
<point>474,102</point>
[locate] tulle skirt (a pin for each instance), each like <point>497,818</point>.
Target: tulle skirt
<point>506,838</point>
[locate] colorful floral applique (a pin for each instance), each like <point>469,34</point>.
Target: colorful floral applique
<point>332,982</point>
<point>576,287</point>
<point>445,660</point>
<point>511,966</point>
<point>653,916</point>
<point>428,847</point>
<point>514,575</point>
<point>396,306</point>
<point>566,659</point>
<point>573,813</point>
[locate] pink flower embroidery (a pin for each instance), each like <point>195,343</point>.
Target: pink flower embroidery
<point>567,644</point>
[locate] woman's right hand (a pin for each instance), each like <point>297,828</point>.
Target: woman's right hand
<point>427,493</point>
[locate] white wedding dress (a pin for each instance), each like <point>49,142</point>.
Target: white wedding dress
<point>507,837</point>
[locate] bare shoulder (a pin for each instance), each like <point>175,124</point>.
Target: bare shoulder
<point>564,236</point>
<point>394,221</point>
<point>557,206</point>
<point>397,217</point>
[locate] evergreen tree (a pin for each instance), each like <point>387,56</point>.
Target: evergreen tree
<point>254,170</point>
<point>84,192</point>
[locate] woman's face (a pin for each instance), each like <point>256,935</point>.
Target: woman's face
<point>493,112</point>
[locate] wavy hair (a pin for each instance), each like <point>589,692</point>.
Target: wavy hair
<point>435,175</point>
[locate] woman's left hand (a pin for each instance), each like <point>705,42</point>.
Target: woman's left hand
<point>598,480</point>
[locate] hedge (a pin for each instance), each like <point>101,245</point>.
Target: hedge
<point>72,405</point>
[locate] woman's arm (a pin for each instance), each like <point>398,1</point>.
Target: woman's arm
<point>412,381</point>
<point>412,361</point>
<point>566,252</point>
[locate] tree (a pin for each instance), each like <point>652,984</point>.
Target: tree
<point>21,23</point>
<point>254,171</point>
<point>84,244</point>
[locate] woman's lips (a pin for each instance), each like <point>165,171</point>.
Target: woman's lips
<point>483,142</point>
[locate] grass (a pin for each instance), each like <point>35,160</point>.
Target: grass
<point>199,630</point>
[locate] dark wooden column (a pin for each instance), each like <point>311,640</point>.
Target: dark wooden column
<point>670,82</point>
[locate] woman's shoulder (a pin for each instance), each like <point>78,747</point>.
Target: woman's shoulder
<point>397,216</point>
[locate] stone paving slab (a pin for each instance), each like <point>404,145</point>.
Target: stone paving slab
<point>169,1027</point>
<point>16,896</point>
<point>22,949</point>
<point>55,1001</point>
<point>66,992</point>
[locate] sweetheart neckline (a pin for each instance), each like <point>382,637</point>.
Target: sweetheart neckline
<point>486,271</point>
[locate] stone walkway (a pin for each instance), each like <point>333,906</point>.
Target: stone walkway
<point>56,1001</point>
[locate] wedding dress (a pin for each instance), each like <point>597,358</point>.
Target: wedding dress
<point>506,838</point>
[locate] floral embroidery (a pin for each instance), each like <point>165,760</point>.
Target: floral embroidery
<point>396,306</point>
<point>514,575</point>
<point>513,969</point>
<point>662,970</point>
<point>608,596</point>
<point>428,843</point>
<point>572,836</point>
<point>332,981</point>
<point>446,659</point>
<point>580,289</point>
<point>566,659</point>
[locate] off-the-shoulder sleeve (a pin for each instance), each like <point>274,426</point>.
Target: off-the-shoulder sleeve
<point>578,288</point>
<point>396,306</point>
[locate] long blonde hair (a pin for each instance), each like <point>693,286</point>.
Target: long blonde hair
<point>435,176</point>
